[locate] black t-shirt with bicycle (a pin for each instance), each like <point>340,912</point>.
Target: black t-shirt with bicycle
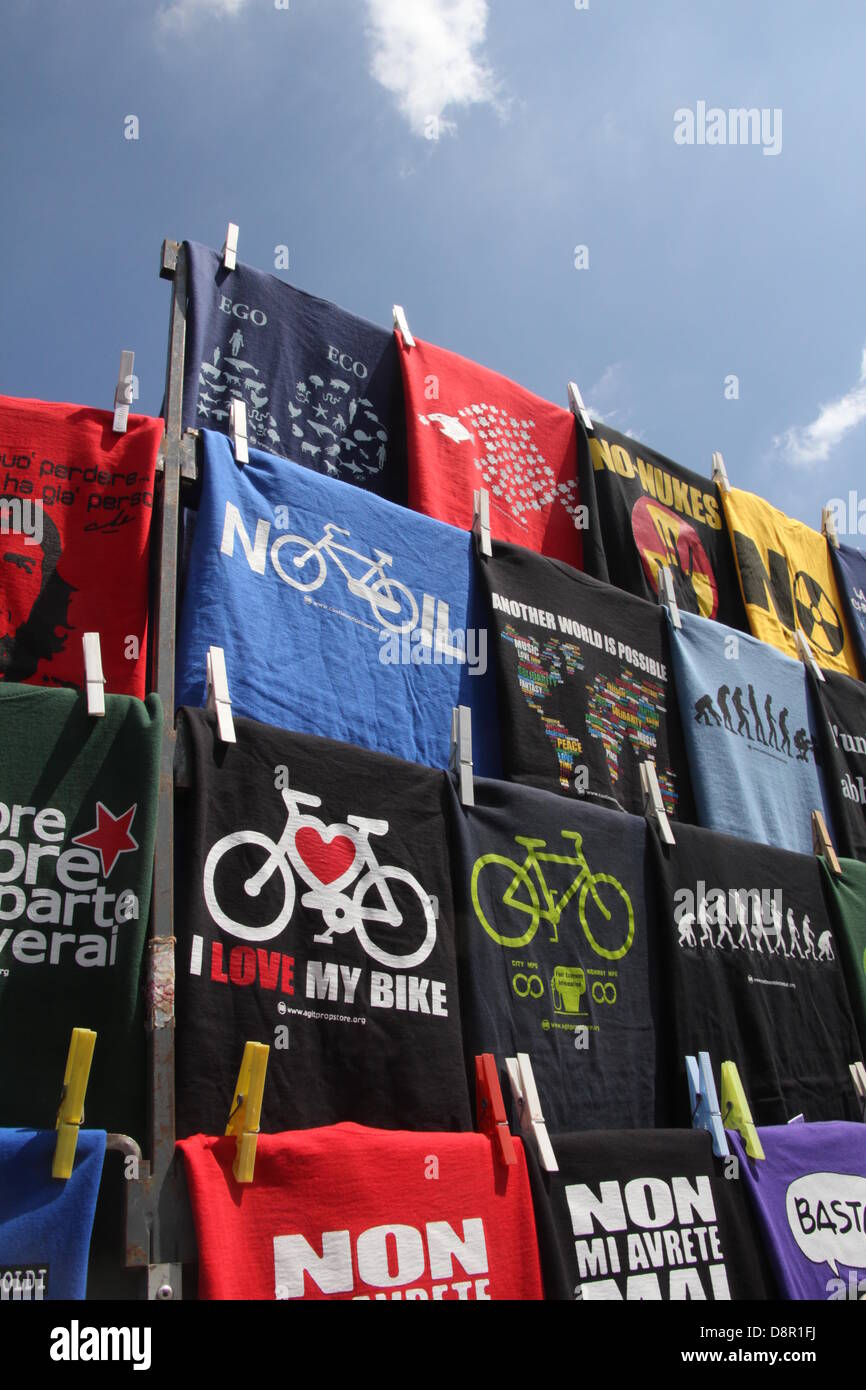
<point>319,920</point>
<point>557,950</point>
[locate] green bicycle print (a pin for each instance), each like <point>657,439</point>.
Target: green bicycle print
<point>511,886</point>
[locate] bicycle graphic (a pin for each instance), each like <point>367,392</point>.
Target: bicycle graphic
<point>520,895</point>
<point>388,598</point>
<point>346,859</point>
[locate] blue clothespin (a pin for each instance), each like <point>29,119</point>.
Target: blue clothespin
<point>704,1102</point>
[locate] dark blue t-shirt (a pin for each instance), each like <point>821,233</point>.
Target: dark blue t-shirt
<point>850,566</point>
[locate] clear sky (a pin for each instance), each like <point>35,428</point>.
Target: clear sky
<point>309,126</point>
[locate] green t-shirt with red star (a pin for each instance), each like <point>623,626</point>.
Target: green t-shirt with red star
<point>78,802</point>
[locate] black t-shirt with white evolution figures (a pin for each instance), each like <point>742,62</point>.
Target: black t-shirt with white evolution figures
<point>647,512</point>
<point>586,689</point>
<point>556,937</point>
<point>754,973</point>
<point>318,919</point>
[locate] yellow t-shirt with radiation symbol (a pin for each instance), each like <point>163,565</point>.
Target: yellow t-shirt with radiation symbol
<point>786,575</point>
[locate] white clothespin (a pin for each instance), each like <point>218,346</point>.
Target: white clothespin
<point>401,322</point>
<point>529,1111</point>
<point>230,247</point>
<point>720,473</point>
<point>577,407</point>
<point>828,526</point>
<point>704,1102</point>
<point>858,1076</point>
<point>94,680</point>
<point>481,518</point>
<point>238,430</point>
<point>654,807</point>
<point>461,752</point>
<point>218,694</point>
<point>667,595</point>
<point>804,647</point>
<point>124,392</point>
<point>822,845</point>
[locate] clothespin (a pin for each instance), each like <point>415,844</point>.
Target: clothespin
<point>704,1102</point>
<point>804,647</point>
<point>528,1105</point>
<point>401,322</point>
<point>735,1110</point>
<point>720,473</point>
<point>667,595</point>
<point>490,1109</point>
<point>481,518</point>
<point>124,392</point>
<point>230,247</point>
<point>822,845</point>
<point>70,1115</point>
<point>653,805</point>
<point>246,1108</point>
<point>94,680</point>
<point>461,752</point>
<point>218,694</point>
<point>238,430</point>
<point>858,1076</point>
<point>828,526</point>
<point>577,407</point>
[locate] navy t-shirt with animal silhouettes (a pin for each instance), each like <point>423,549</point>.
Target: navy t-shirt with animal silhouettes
<point>753,975</point>
<point>315,915</point>
<point>557,950</point>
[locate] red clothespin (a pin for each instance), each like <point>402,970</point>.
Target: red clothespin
<point>490,1109</point>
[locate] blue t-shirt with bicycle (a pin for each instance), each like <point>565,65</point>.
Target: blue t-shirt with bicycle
<point>340,614</point>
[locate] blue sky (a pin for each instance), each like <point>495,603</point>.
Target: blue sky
<point>306,126</point>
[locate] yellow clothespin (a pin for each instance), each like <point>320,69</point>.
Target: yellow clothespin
<point>735,1110</point>
<point>70,1116</point>
<point>247,1108</point>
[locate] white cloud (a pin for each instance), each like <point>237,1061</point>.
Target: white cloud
<point>427,54</point>
<point>803,445</point>
<point>178,16</point>
<point>601,396</point>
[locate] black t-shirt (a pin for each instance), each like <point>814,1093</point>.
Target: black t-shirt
<point>646,512</point>
<point>646,1214</point>
<point>840,708</point>
<point>316,916</point>
<point>754,974</point>
<point>586,687</point>
<point>556,939</point>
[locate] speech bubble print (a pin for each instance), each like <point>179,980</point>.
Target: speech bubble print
<point>827,1216</point>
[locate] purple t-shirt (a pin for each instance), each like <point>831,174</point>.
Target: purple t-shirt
<point>809,1196</point>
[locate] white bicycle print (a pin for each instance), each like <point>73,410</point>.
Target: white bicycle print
<point>394,605</point>
<point>370,901</point>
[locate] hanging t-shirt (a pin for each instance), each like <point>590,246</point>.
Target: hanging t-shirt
<point>352,1213</point>
<point>787,581</point>
<point>320,385</point>
<point>751,735</point>
<point>809,1198</point>
<point>849,566</point>
<point>647,512</point>
<point>846,900</point>
<point>77,819</point>
<point>469,428</point>
<point>754,975</point>
<point>840,714</point>
<point>340,614</point>
<point>585,689</point>
<point>46,1223</point>
<point>76,502</point>
<point>648,1215</point>
<point>317,918</point>
<point>557,950</point>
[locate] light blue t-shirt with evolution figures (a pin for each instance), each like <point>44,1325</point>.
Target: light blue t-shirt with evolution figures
<point>750,735</point>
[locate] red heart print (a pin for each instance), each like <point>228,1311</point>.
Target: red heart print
<point>327,860</point>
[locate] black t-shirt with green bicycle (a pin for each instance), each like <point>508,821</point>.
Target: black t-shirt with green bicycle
<point>557,950</point>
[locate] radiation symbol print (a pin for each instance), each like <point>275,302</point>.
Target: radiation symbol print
<point>817,616</point>
<point>663,538</point>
